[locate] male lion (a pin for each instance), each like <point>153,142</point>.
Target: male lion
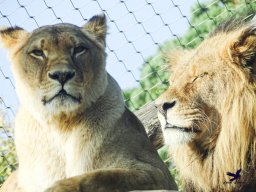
<point>208,114</point>
<point>73,132</point>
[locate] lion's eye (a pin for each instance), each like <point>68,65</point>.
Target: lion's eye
<point>199,76</point>
<point>79,50</point>
<point>203,74</point>
<point>195,79</point>
<point>37,53</point>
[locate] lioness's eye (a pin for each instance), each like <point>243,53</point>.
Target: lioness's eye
<point>37,53</point>
<point>79,50</point>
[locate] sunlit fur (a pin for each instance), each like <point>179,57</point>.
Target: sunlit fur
<point>214,90</point>
<point>82,138</point>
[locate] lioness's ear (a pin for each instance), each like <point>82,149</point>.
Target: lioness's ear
<point>242,50</point>
<point>97,26</point>
<point>11,36</point>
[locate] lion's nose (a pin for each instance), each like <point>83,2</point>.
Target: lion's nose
<point>164,107</point>
<point>61,76</point>
<point>168,105</point>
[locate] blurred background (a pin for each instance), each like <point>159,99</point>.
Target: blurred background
<point>139,35</point>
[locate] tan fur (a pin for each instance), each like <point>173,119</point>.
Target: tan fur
<point>208,114</point>
<point>81,140</point>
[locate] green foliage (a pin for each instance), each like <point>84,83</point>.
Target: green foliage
<point>163,153</point>
<point>154,81</point>
<point>204,18</point>
<point>8,162</point>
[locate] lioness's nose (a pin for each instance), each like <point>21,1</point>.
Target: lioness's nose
<point>61,76</point>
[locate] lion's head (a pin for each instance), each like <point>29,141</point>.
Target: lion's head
<point>208,114</point>
<point>58,68</point>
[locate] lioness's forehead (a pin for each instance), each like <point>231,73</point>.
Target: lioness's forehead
<point>58,32</point>
<point>57,28</point>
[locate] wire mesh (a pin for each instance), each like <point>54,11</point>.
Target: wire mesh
<point>139,32</point>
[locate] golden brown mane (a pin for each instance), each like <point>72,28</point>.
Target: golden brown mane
<point>218,79</point>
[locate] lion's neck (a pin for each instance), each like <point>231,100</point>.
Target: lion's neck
<point>205,167</point>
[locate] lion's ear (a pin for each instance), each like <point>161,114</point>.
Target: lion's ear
<point>12,36</point>
<point>242,50</point>
<point>97,26</point>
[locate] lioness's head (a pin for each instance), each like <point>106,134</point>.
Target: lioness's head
<point>58,68</point>
<point>207,83</point>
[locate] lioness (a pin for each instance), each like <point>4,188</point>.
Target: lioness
<point>73,132</point>
<point>208,114</point>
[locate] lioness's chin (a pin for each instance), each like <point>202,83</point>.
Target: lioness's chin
<point>177,137</point>
<point>60,105</point>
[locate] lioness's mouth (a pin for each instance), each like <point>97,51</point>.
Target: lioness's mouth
<point>62,94</point>
<point>183,129</point>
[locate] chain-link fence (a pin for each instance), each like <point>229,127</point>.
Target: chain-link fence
<point>140,32</point>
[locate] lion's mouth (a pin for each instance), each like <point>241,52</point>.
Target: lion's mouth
<point>183,129</point>
<point>62,95</point>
